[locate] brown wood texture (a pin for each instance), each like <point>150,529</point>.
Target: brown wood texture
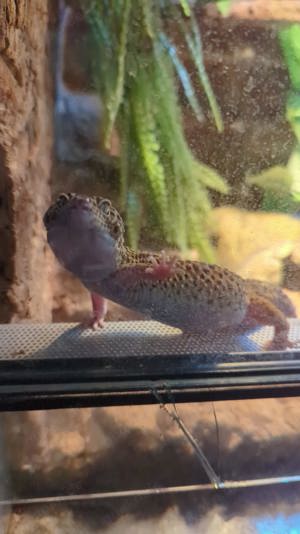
<point>25,158</point>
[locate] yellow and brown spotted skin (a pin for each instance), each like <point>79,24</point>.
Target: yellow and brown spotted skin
<point>195,297</point>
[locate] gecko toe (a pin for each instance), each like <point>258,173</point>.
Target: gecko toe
<point>280,345</point>
<point>93,323</point>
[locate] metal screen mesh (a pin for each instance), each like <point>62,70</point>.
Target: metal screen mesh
<point>143,338</point>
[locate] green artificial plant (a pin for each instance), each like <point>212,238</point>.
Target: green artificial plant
<point>290,44</point>
<point>138,70</point>
<point>281,183</point>
<point>224,6</point>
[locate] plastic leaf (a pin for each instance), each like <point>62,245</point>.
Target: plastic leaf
<point>183,76</point>
<point>116,99</point>
<point>185,7</point>
<point>224,6</point>
<point>290,43</point>
<point>277,179</point>
<point>195,46</point>
<point>149,146</point>
<point>209,177</point>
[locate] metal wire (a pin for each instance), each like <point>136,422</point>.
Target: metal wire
<point>225,485</point>
<point>212,475</point>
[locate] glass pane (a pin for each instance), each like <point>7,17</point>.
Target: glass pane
<point>149,265</point>
<point>63,453</point>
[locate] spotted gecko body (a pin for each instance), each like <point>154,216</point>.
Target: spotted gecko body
<point>87,236</point>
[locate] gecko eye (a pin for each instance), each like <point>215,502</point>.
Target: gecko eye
<point>63,199</point>
<point>105,206</point>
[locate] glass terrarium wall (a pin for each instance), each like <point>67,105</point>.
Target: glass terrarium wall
<point>134,450</point>
<point>223,186</point>
<point>185,116</point>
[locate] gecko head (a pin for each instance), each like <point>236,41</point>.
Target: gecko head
<point>85,213</point>
<point>85,234</point>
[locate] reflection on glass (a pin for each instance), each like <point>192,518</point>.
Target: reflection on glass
<point>150,254</point>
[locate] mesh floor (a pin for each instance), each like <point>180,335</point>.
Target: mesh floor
<point>134,338</point>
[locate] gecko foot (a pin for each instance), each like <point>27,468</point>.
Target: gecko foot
<point>280,342</point>
<point>280,345</point>
<point>162,267</point>
<point>93,322</point>
<point>99,311</point>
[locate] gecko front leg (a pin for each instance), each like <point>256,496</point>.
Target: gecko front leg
<point>99,305</point>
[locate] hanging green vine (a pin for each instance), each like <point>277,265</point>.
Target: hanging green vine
<point>137,68</point>
<point>281,183</point>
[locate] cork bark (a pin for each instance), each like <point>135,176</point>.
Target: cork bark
<point>25,158</point>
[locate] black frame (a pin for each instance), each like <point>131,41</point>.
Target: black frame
<point>35,384</point>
